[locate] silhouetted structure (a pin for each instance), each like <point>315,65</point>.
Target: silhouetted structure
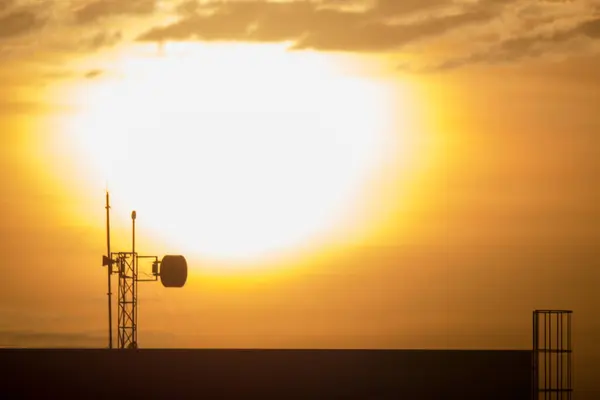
<point>268,374</point>
<point>552,355</point>
<point>172,271</point>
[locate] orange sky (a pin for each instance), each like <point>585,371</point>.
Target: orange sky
<point>470,198</point>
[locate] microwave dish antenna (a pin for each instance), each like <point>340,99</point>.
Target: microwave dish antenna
<point>172,271</point>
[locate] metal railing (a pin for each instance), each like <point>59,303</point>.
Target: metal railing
<point>552,355</point>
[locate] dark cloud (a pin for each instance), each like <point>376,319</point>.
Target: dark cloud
<point>103,39</point>
<point>187,8</point>
<point>345,4</point>
<point>17,23</point>
<point>5,4</point>
<point>382,37</point>
<point>232,21</point>
<point>345,25</point>
<point>396,7</point>
<point>93,74</point>
<point>590,29</point>
<point>108,8</point>
<point>311,27</point>
<point>521,47</point>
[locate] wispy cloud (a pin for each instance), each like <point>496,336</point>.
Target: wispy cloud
<point>311,26</point>
<point>441,34</point>
<point>107,8</point>
<point>18,22</point>
<point>5,4</point>
<point>93,74</point>
<point>102,39</point>
<point>518,48</point>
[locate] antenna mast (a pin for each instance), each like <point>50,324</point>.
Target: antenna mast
<point>172,271</point>
<point>109,269</point>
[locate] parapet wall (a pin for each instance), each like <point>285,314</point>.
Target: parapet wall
<point>281,374</point>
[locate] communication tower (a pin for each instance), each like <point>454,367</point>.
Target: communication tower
<point>172,270</point>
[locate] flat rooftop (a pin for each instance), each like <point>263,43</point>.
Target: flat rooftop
<point>269,373</point>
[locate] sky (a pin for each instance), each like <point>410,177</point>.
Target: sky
<point>375,174</point>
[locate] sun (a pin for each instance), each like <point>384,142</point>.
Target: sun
<point>233,152</point>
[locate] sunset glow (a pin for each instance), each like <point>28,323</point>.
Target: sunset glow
<point>373,174</point>
<point>237,152</point>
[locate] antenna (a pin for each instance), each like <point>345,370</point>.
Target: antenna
<point>109,269</point>
<point>172,270</point>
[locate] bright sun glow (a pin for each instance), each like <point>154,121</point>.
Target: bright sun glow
<point>233,151</point>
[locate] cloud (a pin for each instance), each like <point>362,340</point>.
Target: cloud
<point>384,37</point>
<point>396,7</point>
<point>5,4</point>
<point>518,48</point>
<point>312,27</point>
<point>443,34</point>
<point>17,23</point>
<point>590,29</point>
<point>187,8</point>
<point>93,74</point>
<point>108,8</point>
<point>102,39</point>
